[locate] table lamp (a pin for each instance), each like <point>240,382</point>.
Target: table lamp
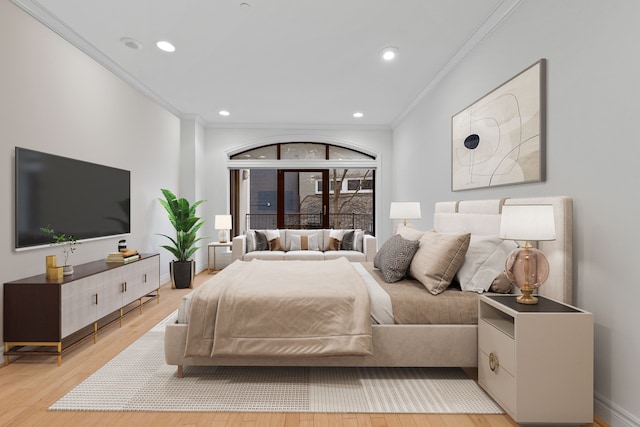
<point>527,267</point>
<point>223,223</point>
<point>405,211</point>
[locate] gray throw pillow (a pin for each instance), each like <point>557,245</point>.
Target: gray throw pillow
<point>348,241</point>
<point>262,243</point>
<point>394,257</point>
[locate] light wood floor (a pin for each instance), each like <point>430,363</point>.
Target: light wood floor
<point>28,386</point>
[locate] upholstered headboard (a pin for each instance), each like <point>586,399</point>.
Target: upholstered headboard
<point>483,217</point>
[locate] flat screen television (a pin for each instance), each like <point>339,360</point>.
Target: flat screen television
<point>78,198</point>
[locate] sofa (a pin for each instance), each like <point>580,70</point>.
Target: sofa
<point>292,244</point>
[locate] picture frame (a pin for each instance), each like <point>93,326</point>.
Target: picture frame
<point>500,138</point>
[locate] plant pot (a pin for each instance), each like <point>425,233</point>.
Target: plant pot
<point>182,274</point>
<point>67,270</point>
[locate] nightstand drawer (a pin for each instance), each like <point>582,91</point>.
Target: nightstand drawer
<point>500,384</point>
<point>493,341</point>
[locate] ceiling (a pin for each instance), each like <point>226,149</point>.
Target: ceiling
<point>278,62</point>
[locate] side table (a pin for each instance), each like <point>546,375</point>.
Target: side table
<point>536,361</point>
<point>214,246</point>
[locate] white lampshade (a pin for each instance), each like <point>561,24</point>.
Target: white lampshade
<point>405,210</point>
<point>223,223</point>
<point>527,223</point>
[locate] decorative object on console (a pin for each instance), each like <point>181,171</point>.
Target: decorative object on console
<point>53,272</point>
<point>500,138</point>
<point>404,211</point>
<point>184,220</point>
<point>527,267</point>
<point>223,223</point>
<point>123,256</point>
<point>68,243</point>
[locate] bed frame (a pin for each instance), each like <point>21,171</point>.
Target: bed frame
<point>424,345</point>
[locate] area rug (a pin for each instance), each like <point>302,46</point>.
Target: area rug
<point>139,380</point>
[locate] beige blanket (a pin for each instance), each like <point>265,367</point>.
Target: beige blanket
<point>283,308</point>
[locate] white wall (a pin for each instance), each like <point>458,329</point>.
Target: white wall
<point>220,141</point>
<point>593,150</point>
<point>54,98</point>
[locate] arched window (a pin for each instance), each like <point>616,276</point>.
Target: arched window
<point>302,185</point>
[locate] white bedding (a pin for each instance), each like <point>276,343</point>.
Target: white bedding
<point>381,309</point>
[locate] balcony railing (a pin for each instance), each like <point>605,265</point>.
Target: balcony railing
<point>310,221</point>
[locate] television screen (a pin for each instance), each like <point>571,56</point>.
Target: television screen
<point>78,198</point>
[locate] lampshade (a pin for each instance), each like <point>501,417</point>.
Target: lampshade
<point>405,211</point>
<point>527,222</point>
<point>527,267</point>
<point>223,223</point>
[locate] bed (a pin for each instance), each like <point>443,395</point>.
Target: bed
<point>449,341</point>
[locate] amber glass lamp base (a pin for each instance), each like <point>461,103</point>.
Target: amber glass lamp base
<point>527,268</point>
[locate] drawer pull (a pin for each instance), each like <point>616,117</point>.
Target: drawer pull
<point>493,362</point>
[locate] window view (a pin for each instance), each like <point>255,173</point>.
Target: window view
<point>305,198</point>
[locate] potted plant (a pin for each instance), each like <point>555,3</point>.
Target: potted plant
<point>186,223</point>
<point>68,243</point>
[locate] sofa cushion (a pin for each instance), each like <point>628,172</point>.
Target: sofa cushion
<point>353,256</point>
<point>264,255</point>
<point>304,255</point>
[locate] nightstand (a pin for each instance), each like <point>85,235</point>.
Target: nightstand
<point>214,246</point>
<point>536,361</point>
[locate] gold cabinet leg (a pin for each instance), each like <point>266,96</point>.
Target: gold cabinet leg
<point>95,332</point>
<point>121,314</point>
<point>59,353</point>
<point>6,356</point>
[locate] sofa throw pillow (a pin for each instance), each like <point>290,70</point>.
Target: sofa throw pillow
<point>262,244</point>
<point>304,243</point>
<point>348,241</point>
<point>251,240</point>
<point>483,261</point>
<point>358,240</point>
<point>275,244</point>
<point>273,237</point>
<point>438,259</point>
<point>394,257</point>
<point>334,240</point>
<point>333,244</point>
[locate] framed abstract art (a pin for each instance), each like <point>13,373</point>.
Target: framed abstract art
<point>500,138</point>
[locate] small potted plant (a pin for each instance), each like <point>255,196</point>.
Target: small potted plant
<point>184,220</point>
<point>68,243</point>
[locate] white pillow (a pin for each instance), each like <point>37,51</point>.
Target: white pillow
<point>304,243</point>
<point>251,240</point>
<point>272,234</point>
<point>483,262</point>
<point>337,234</point>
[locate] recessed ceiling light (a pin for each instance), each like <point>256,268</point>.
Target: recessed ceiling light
<point>131,43</point>
<point>389,53</point>
<point>358,114</point>
<point>165,46</point>
<point>224,113</point>
<point>245,5</point>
